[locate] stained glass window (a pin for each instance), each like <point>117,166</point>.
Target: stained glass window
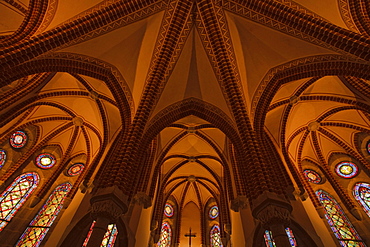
<point>368,147</point>
<point>109,236</point>
<point>75,169</point>
<point>2,157</point>
<point>45,161</point>
<point>213,212</point>
<point>271,243</point>
<point>18,139</point>
<point>15,195</point>
<point>165,239</point>
<point>40,225</point>
<point>268,239</point>
<point>346,169</point>
<point>312,176</point>
<point>168,210</point>
<point>338,221</point>
<point>215,236</point>
<point>361,192</point>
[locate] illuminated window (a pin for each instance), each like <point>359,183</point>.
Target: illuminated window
<point>109,236</point>
<point>168,210</point>
<point>368,147</point>
<point>2,157</point>
<point>45,161</point>
<point>18,139</point>
<point>40,225</point>
<point>213,212</point>
<point>338,221</point>
<point>215,236</point>
<point>12,199</point>
<point>75,169</point>
<point>361,191</point>
<point>312,176</point>
<point>165,239</point>
<point>271,243</point>
<point>346,169</point>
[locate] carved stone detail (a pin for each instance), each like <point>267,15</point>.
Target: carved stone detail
<point>238,203</point>
<point>109,203</point>
<point>273,214</point>
<point>107,209</point>
<point>143,199</point>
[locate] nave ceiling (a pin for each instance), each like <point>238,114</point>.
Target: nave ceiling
<point>213,46</point>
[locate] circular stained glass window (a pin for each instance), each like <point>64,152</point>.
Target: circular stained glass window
<point>346,170</point>
<point>368,147</point>
<point>45,161</point>
<point>168,210</point>
<point>18,139</point>
<point>2,157</point>
<point>213,212</point>
<point>312,176</point>
<point>75,169</point>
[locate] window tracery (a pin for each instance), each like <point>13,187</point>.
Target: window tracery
<point>109,237</point>
<point>12,199</point>
<point>338,221</point>
<point>361,192</point>
<point>166,235</point>
<point>40,225</point>
<point>215,236</point>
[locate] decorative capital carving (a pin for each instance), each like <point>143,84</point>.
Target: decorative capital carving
<point>273,214</point>
<point>270,209</point>
<point>109,203</point>
<point>143,199</point>
<point>238,203</point>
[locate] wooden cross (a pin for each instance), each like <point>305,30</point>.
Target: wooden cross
<point>189,235</point>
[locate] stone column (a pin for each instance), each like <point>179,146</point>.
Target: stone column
<point>108,204</point>
<point>274,214</point>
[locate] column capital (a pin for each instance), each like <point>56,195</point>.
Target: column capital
<point>270,209</point>
<point>109,203</point>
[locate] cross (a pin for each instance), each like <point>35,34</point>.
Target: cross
<point>189,235</point>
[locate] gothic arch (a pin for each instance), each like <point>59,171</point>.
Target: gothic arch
<point>79,64</point>
<point>298,69</point>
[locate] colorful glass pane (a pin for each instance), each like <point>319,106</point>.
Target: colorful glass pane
<point>2,157</point>
<point>45,160</point>
<point>291,237</point>
<point>215,236</point>
<point>75,169</point>
<point>346,170</point>
<point>109,236</point>
<point>368,147</point>
<point>271,243</point>
<point>168,210</point>
<point>18,139</point>
<point>312,176</point>
<point>361,191</point>
<point>165,239</point>
<point>15,195</point>
<point>40,225</point>
<point>213,212</point>
<point>338,221</point>
<point>268,239</point>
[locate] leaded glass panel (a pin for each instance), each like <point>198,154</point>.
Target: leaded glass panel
<point>40,225</point>
<point>338,221</point>
<point>12,199</point>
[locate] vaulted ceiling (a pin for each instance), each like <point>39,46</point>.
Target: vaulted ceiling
<point>98,69</point>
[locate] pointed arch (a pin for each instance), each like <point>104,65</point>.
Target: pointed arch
<point>361,192</point>
<point>12,199</point>
<point>166,235</point>
<point>109,237</point>
<point>338,221</point>
<point>215,236</point>
<point>40,225</point>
